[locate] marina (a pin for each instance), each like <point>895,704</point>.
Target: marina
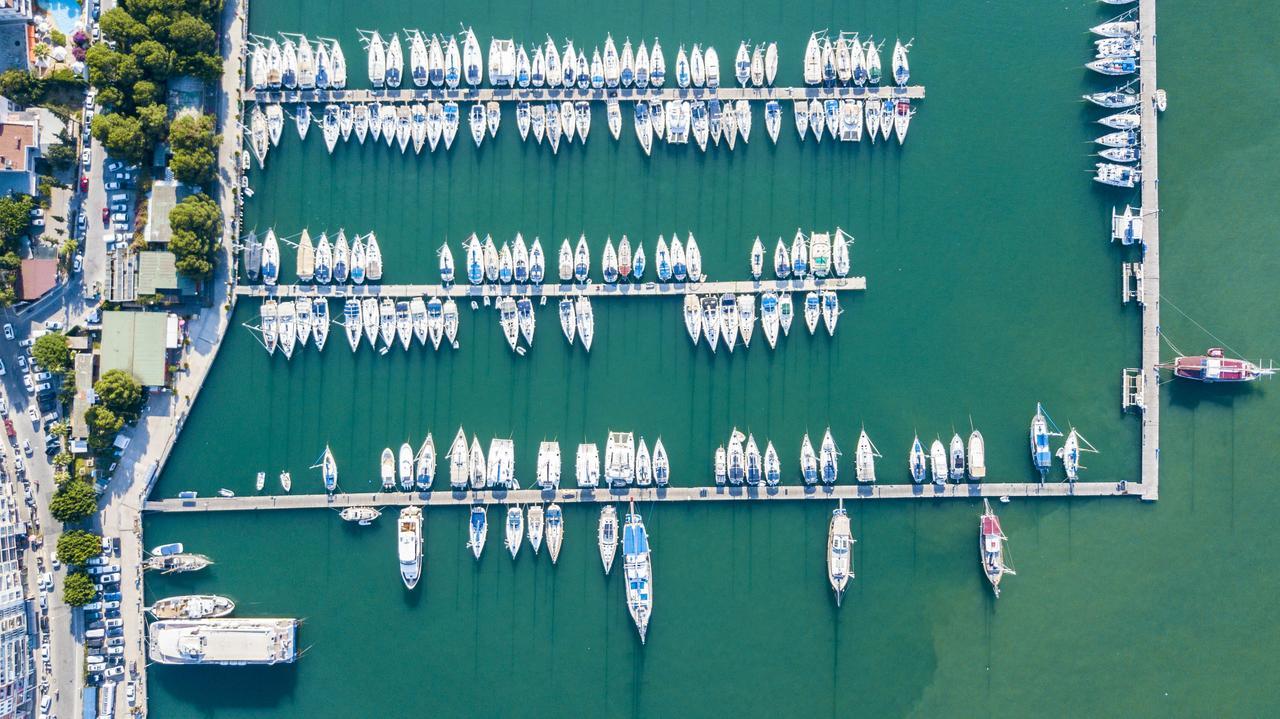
<point>593,290</point>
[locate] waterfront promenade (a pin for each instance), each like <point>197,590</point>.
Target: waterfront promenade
<point>466,498</point>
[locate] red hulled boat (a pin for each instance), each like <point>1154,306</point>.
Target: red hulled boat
<point>1215,366</point>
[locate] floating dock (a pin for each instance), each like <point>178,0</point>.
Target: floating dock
<point>1150,297</point>
<point>549,94</point>
<point>594,289</point>
<point>822,493</point>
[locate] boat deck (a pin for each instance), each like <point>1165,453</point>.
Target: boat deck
<point>447,498</point>
<point>485,94</point>
<point>595,289</point>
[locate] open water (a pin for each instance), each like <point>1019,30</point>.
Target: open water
<point>991,286</point>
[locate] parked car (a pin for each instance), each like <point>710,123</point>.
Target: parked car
<point>4,406</point>
<point>53,325</point>
<point>130,691</point>
<point>92,616</point>
<point>84,183</point>
<point>26,447</point>
<point>113,185</point>
<point>8,330</point>
<point>78,263</point>
<point>86,157</point>
<point>92,606</point>
<point>115,642</point>
<point>103,569</point>
<point>26,342</point>
<point>111,597</point>
<point>110,579</point>
<point>17,465</point>
<point>96,561</point>
<point>115,632</point>
<point>111,605</point>
<point>22,362</point>
<point>114,165</point>
<point>42,386</point>
<point>106,216</point>
<point>114,672</point>
<point>114,623</point>
<point>115,651</point>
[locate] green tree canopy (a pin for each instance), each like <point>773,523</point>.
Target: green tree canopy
<point>122,135</point>
<point>197,231</point>
<point>78,589</point>
<point>104,425</point>
<point>154,59</point>
<point>76,547</point>
<point>119,392</point>
<point>117,24</point>
<point>155,120</point>
<point>20,86</point>
<point>51,352</point>
<point>190,35</point>
<point>194,144</point>
<point>73,501</point>
<point>15,219</point>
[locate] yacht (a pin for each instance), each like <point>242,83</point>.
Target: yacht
<point>525,319</point>
<point>801,113</point>
<point>451,122</point>
<point>693,257</point>
<point>828,458</point>
<point>830,310</point>
<point>320,320</point>
<point>808,462</point>
<point>692,321</point>
<point>1116,28</point>
<point>746,319</point>
<point>786,313</point>
<point>549,465</point>
<point>450,320</point>
<point>586,321</point>
<point>477,530</point>
<point>436,321</point>
<point>812,311</point>
<point>737,457</point>
<point>678,268</point>
<point>839,551</point>
<point>358,261</point>
<point>452,65</point>
<point>351,321</point>
<point>406,467</point>
<point>711,321</point>
<point>409,545</point>
<point>459,461</point>
<point>395,61</point>
<point>638,569</point>
<point>721,466</point>
<point>537,261</point>
<point>977,456</point>
<point>769,317</point>
<point>607,536</point>
<point>476,464</point>
<point>644,465</point>
<point>477,123</point>
<point>387,465</point>
<point>284,321</point>
<point>270,259</point>
<point>619,459</point>
<point>507,319</point>
<point>661,464</point>
<point>446,264</point>
<point>192,606</point>
<point>865,459</point>
<point>609,262</point>
<point>369,319</point>
<point>491,259</point>
<point>514,530</point>
<point>991,541</point>
<point>471,68</point>
<point>537,524</point>
<point>337,67</point>
<point>435,62</point>
<point>372,259</point>
<point>387,320</point>
<point>568,318</point>
<point>341,259</point>
<point>662,260</point>
<point>916,461</point>
<point>587,466</point>
<point>657,65</point>
<point>938,462</point>
<point>754,463</point>
<point>799,255</point>
<point>901,68</point>
<point>840,253</point>
<point>729,319</point>
<point>425,464</point>
<point>555,531</point>
<point>772,466</point>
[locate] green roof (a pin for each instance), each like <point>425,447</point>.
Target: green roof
<point>157,274</point>
<point>164,195</point>
<point>134,342</point>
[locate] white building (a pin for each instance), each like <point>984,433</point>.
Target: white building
<point>15,650</point>
<point>11,10</point>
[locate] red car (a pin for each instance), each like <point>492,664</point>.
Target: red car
<point>106,216</point>
<point>84,183</point>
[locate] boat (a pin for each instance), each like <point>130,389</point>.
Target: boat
<point>436,321</point>
<point>372,259</point>
<point>395,61</point>
<point>1117,175</point>
<point>721,466</point>
<point>609,262</point>
<point>955,455</point>
<point>812,310</point>
<point>435,62</point>
<point>387,320</point>
<point>549,465</point>
<point>506,265</point>
<point>1041,453</point>
<point>839,551</point>
<point>1120,97</point>
<point>330,126</point>
<point>607,536</point>
<point>638,570</point>
<point>642,66</point>
<point>337,67</point>
<point>506,307</point>
<point>537,524</point>
<point>477,123</point>
<point>901,68</point>
<point>770,63</point>
<point>581,259</point>
<point>678,268</point>
<point>289,65</point>
<point>459,461</point>
<point>728,319</point>
<point>693,257</point>
<point>658,65</point>
<point>830,310</point>
<point>369,319</point>
<point>737,457</point>
<point>270,266</point>
<point>754,470</point>
<point>746,319</point>
<point>657,118</point>
<point>799,255</point>
<point>1116,28</point>
<point>285,315</point>
<point>360,121</point>
<point>450,320</point>
<point>1113,66</point>
<point>341,258</point>
<point>661,464</point>
<point>409,545</point>
<point>270,312</point>
<point>471,69</point>
<point>406,467</point>
<point>619,459</point>
<point>711,321</point>
<point>586,321</point>
<point>260,481</point>
<point>828,458</point>
<point>587,465</point>
<point>991,541</point>
<point>1214,366</point>
<point>692,318</point>
<point>786,312</point>
<point>359,261</point>
<point>537,261</point>
<point>1127,138</point>
<point>644,465</point>
<point>425,464</point>
<point>351,322</point>
<point>769,317</point>
<point>525,319</point>
<point>612,69</point>
<point>514,530</point>
<point>916,461</point>
<point>840,253</point>
<point>502,63</point>
<point>477,530</point>
<point>492,259</point>
<point>176,563</point>
<point>568,319</point>
<point>362,516</point>
<point>977,457</point>
<point>865,459</point>
<point>387,463</point>
<point>812,61</point>
<point>555,531</point>
<point>192,606</point>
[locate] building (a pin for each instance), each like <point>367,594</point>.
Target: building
<point>83,372</point>
<point>19,148</point>
<point>135,342</point>
<point>15,10</point>
<point>16,661</point>
<point>157,274</point>
<point>38,276</point>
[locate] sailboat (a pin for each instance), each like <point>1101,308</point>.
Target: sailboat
<point>1069,453</point>
<point>916,461</point>
<point>586,321</point>
<point>568,318</point>
<point>1041,453</point>
<point>587,465</point>
<point>786,312</point>
<point>425,464</point>
<point>514,530</point>
<point>537,262</point>
<point>387,320</point>
<point>769,317</point>
<point>285,323</point>
<point>638,570</point>
<point>477,530</point>
<point>812,310</point>
<point>711,321</point>
<point>828,454</point>
<point>607,536</point>
<point>459,461</point>
<point>746,319</point>
<point>661,464</point>
<point>418,319</point>
<point>581,260</point>
<point>328,470</point>
<point>839,551</point>
<point>549,465</point>
<point>450,321</point>
<point>362,516</point>
<point>692,321</point>
<point>537,524</point>
<point>991,541</point>
<point>865,459</point>
<point>644,465</point>
<point>507,319</point>
<point>351,322</point>
<point>555,531</point>
<point>525,319</point>
<point>369,319</point>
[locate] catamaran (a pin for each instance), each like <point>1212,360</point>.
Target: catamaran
<point>839,551</point>
<point>991,541</point>
<point>607,536</point>
<point>638,569</point>
<point>409,545</point>
<point>619,459</point>
<point>549,465</point>
<point>587,465</point>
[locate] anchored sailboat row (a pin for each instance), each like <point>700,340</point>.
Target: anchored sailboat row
<point>1117,54</point>
<point>290,324</point>
<point>730,317</point>
<point>849,61</point>
<point>819,254</point>
<point>1042,454</point>
<point>322,262</point>
<point>297,63</point>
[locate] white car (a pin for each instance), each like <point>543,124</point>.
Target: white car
<point>1,369</point>
<point>86,158</point>
<point>42,376</point>
<point>26,447</point>
<point>79,263</point>
<point>96,561</point>
<point>4,406</point>
<point>8,331</point>
<point>114,672</point>
<point>130,693</point>
<point>32,414</point>
<point>111,579</point>
<point>115,651</point>
<point>42,386</point>
<point>17,464</point>
<point>53,325</point>
<point>22,362</point>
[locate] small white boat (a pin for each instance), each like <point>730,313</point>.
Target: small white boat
<point>537,524</point>
<point>387,467</point>
<point>586,321</point>
<point>692,317</point>
<point>786,312</point>
<point>459,461</point>
<point>477,531</point>
<point>828,458</point>
<point>549,465</point>
<point>555,531</point>
<point>865,459</point>
<point>830,310</point>
<point>977,457</point>
<point>769,317</point>
<point>607,536</point>
<point>587,466</point>
<point>406,467</point>
<point>514,530</point>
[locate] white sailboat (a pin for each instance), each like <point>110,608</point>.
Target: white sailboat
<point>607,536</point>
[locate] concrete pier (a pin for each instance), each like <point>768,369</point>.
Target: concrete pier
<point>1151,254</point>
<point>595,289</point>
<point>485,94</point>
<point>449,498</point>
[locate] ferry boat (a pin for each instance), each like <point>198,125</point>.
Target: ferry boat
<point>477,531</point>
<point>638,568</point>
<point>409,545</point>
<point>607,536</point>
<point>362,516</point>
<point>587,465</point>
<point>865,464</point>
<point>537,525</point>
<point>1215,366</point>
<point>839,551</point>
<point>916,462</point>
<point>549,465</point>
<point>977,456</point>
<point>224,641</point>
<point>991,541</point>
<point>555,531</point>
<point>514,536</point>
<point>192,606</point>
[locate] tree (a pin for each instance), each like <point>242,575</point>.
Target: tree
<point>15,219</point>
<point>155,120</point>
<point>155,59</point>
<point>51,352</point>
<point>197,229</point>
<point>190,35</point>
<point>103,425</point>
<point>78,589</point>
<point>145,92</point>
<point>61,430</point>
<point>73,501</point>
<point>61,156</point>
<point>117,24</point>
<point>76,547</point>
<point>120,393</point>
<point>122,135</point>
<point>20,86</point>
<point>204,65</point>
<point>193,143</point>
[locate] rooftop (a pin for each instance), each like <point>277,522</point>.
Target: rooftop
<point>15,138</point>
<point>84,395</point>
<point>164,195</point>
<point>157,274</point>
<point>134,342</point>
<point>38,277</point>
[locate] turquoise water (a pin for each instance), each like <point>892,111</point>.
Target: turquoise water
<point>990,286</point>
<point>63,13</point>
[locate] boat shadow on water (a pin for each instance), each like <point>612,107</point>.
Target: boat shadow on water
<point>259,687</point>
<point>1189,395</point>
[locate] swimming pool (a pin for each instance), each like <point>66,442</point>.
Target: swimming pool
<point>62,13</point>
